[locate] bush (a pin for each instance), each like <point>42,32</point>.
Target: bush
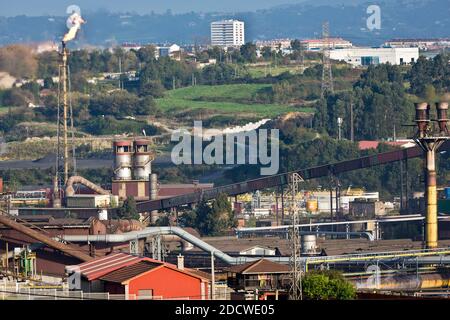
<point>326,285</point>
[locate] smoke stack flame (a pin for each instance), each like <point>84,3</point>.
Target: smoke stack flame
<point>74,23</point>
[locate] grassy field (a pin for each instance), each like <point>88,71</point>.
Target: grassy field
<point>3,109</point>
<point>262,71</point>
<point>225,99</point>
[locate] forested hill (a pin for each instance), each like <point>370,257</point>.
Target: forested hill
<point>400,18</point>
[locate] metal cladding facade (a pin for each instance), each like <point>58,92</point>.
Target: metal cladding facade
<point>164,280</point>
<point>123,156</point>
<point>142,160</point>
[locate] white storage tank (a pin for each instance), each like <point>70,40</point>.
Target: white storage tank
<point>123,160</point>
<point>103,215</point>
<point>142,160</point>
<point>309,244</point>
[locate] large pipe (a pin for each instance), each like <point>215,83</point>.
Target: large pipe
<point>69,250</point>
<point>431,226</point>
<point>77,179</point>
<point>345,259</point>
<point>408,282</point>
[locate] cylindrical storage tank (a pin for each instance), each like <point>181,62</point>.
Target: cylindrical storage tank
<point>142,160</point>
<point>312,205</point>
<point>103,215</point>
<point>123,160</point>
<point>309,244</point>
<point>447,193</point>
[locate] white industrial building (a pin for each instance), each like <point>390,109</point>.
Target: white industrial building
<point>374,56</point>
<point>227,33</point>
<point>320,44</point>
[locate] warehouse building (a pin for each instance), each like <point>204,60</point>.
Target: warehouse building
<point>141,278</point>
<point>375,56</point>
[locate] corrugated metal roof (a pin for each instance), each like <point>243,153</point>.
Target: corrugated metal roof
<point>260,266</point>
<point>99,267</point>
<point>129,272</point>
<point>125,264</point>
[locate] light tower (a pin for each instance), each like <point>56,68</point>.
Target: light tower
<point>430,139</point>
<point>327,74</point>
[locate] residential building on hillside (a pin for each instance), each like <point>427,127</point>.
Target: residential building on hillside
<point>227,33</point>
<point>422,44</point>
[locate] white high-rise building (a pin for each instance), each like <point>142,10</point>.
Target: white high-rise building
<point>227,33</point>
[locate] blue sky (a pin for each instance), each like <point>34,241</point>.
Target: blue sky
<point>57,7</point>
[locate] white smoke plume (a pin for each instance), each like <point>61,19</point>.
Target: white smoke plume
<point>75,21</point>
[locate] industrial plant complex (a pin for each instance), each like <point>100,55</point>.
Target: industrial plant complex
<point>128,226</point>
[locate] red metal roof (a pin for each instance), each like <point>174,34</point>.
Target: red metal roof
<point>99,267</point>
<point>124,265</point>
<point>127,273</point>
<point>367,144</point>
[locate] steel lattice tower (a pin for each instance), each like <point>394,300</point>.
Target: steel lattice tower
<point>295,262</point>
<point>327,74</point>
<point>64,115</point>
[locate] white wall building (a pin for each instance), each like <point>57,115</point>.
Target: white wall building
<point>369,56</point>
<point>320,44</point>
<point>227,33</point>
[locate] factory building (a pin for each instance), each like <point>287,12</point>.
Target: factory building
<point>320,44</point>
<point>227,33</point>
<point>259,280</point>
<point>133,174</point>
<point>374,56</point>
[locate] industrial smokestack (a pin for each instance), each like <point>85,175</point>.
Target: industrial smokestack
<point>422,117</point>
<point>442,119</point>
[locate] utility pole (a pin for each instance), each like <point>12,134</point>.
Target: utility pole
<point>213,277</point>
<point>339,122</point>
<point>352,125</point>
<point>327,74</point>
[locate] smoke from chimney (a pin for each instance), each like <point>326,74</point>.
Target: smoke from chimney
<point>76,21</point>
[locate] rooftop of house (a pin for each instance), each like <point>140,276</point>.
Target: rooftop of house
<point>121,267</point>
<point>261,266</point>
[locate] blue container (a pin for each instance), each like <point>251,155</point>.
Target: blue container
<point>447,193</point>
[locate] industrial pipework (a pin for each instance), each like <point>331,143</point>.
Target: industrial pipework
<point>430,139</point>
<point>77,179</point>
<point>67,249</point>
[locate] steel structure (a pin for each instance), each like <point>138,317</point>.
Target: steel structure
<point>283,178</point>
<point>295,262</point>
<point>65,248</point>
<point>327,74</point>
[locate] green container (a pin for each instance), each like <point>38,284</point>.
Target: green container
<point>444,206</point>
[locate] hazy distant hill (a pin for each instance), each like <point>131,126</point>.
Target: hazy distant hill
<point>400,18</point>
